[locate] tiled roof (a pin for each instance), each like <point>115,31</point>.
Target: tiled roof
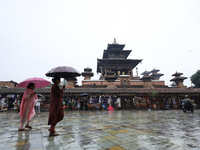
<point>111,91</point>
<point>178,78</point>
<point>177,74</point>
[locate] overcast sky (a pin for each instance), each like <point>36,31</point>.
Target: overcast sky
<point>38,35</point>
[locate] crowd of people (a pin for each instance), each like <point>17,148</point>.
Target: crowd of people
<point>30,105</point>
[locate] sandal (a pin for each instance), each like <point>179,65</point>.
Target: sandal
<point>22,129</point>
<point>53,134</point>
<point>27,126</point>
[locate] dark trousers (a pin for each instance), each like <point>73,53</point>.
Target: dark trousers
<point>81,107</point>
<point>86,107</point>
<point>70,106</point>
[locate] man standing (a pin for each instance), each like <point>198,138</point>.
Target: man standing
<point>81,103</point>
<point>56,113</point>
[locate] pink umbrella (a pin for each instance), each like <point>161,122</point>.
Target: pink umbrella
<point>39,82</point>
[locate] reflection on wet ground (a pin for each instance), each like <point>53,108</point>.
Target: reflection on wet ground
<point>97,130</point>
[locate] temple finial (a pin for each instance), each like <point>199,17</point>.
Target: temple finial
<point>115,41</point>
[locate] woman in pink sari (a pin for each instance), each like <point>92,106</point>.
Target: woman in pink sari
<point>27,110</point>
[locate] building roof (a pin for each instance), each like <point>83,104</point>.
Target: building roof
<point>116,51</point>
<point>113,54</point>
<point>168,90</point>
<point>178,78</point>
<point>118,47</point>
<point>9,81</point>
<point>177,74</point>
<point>157,74</point>
<point>155,70</point>
<point>117,64</point>
<point>146,72</point>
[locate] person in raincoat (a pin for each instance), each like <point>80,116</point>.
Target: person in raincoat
<point>56,113</point>
<point>27,110</point>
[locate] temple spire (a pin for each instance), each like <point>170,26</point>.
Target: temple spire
<point>114,41</point>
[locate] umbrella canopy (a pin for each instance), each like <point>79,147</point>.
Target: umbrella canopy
<point>63,72</point>
<point>40,97</point>
<point>84,94</point>
<point>110,108</point>
<point>39,82</point>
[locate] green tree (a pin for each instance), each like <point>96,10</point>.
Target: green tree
<point>195,79</point>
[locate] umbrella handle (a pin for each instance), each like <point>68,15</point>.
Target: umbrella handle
<point>64,81</point>
<point>64,84</point>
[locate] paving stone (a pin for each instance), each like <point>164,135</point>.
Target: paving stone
<point>99,130</point>
<point>99,140</point>
<point>107,144</point>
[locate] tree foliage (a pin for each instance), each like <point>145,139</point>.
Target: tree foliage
<point>195,79</point>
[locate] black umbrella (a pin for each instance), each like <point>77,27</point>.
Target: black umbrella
<point>63,72</point>
<point>84,94</point>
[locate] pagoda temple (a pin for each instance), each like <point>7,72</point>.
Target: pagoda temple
<point>178,79</point>
<point>155,74</point>
<point>151,79</point>
<point>115,60</point>
<point>116,71</point>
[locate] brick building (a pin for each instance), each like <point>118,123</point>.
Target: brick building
<point>8,84</point>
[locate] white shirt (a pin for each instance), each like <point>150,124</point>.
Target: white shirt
<point>37,103</point>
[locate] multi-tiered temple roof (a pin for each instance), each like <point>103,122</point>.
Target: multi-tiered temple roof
<point>115,59</point>
<point>155,74</point>
<point>178,79</point>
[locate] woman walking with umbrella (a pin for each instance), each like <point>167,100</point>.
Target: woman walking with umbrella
<point>27,110</point>
<point>56,113</point>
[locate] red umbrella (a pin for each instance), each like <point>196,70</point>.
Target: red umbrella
<point>39,82</point>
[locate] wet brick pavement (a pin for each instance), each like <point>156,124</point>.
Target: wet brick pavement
<point>97,130</point>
